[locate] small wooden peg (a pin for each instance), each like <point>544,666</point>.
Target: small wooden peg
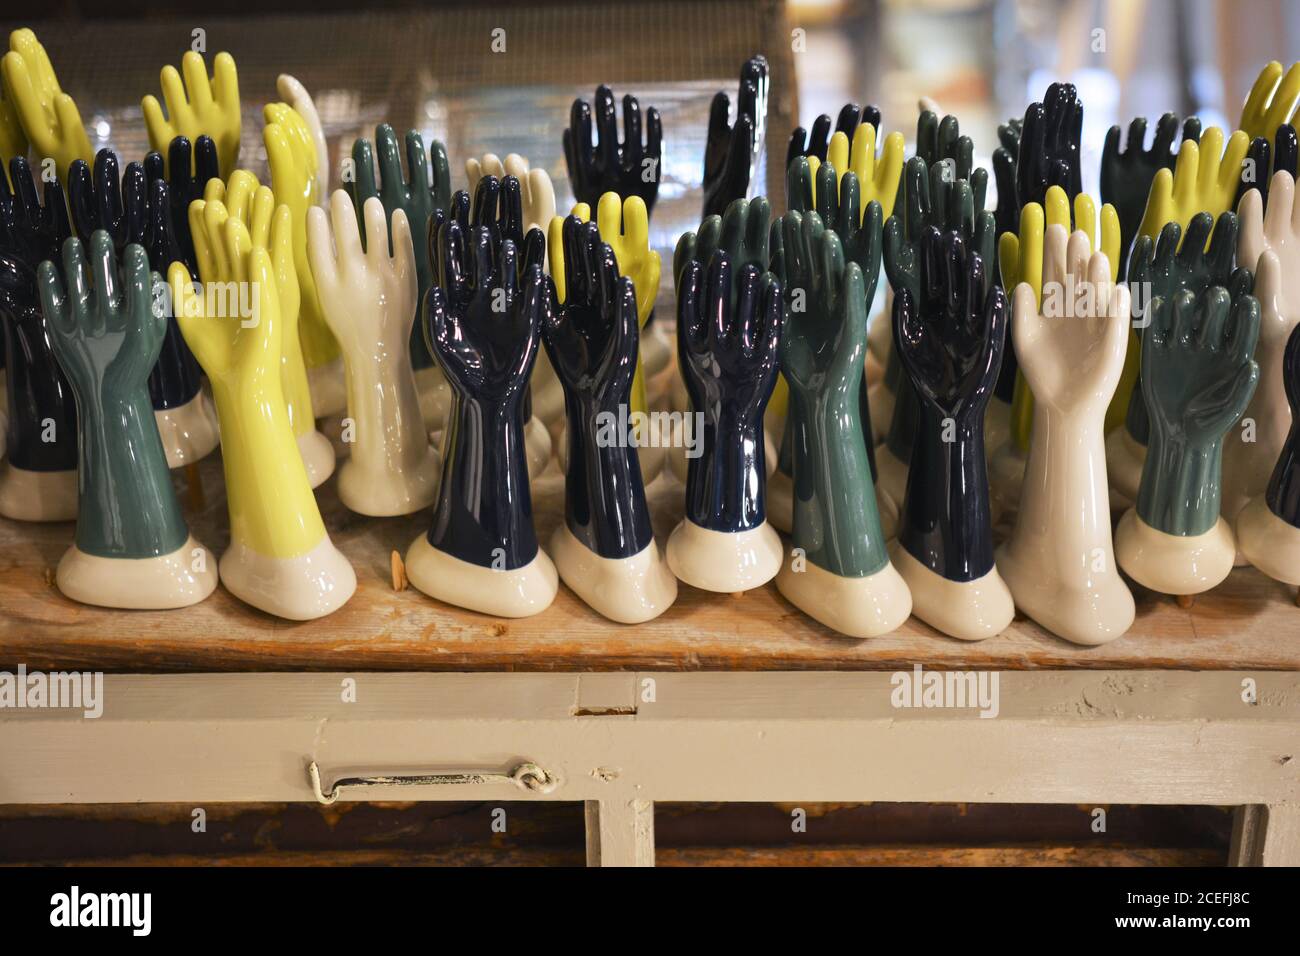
<point>1185,601</point>
<point>399,572</point>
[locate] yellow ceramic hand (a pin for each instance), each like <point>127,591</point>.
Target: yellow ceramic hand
<point>625,226</point>
<point>272,510</point>
<point>269,227</point>
<point>48,116</point>
<point>1021,260</point>
<point>291,155</point>
<point>1204,179</point>
<point>1272,101</point>
<point>877,175</point>
<point>13,141</point>
<point>211,109</point>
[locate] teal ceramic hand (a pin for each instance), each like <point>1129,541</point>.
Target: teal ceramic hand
<point>742,232</point>
<point>940,141</point>
<point>1198,375</point>
<point>835,518</point>
<point>107,334</point>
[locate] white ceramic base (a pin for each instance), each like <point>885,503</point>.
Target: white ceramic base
<point>1171,563</point>
<point>435,397</point>
<point>139,584</point>
<point>388,493</point>
<point>1006,475</point>
<point>522,592</point>
<point>727,562</point>
<point>1268,542</point>
<point>881,400</point>
<point>858,607</point>
<point>329,394</point>
<point>37,495</point>
<point>332,428</point>
<point>1124,460</point>
<point>537,446</point>
<point>967,610</point>
<point>298,589</point>
<point>1090,609</point>
<point>188,432</point>
<point>626,590</point>
<point>779,502</point>
<point>317,455</point>
<point>891,489</point>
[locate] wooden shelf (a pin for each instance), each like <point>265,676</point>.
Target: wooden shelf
<point>1250,622</point>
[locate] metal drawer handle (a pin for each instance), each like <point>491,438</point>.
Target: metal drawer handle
<point>525,776</point>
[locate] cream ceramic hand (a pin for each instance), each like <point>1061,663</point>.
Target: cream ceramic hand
<point>49,117</point>
<point>878,175</point>
<point>1204,179</point>
<point>295,179</point>
<point>280,557</point>
<point>211,107</point>
<point>535,189</point>
<point>369,301</point>
<point>269,227</point>
<point>1272,101</point>
<point>1060,562</point>
<point>1269,244</point>
<point>296,95</point>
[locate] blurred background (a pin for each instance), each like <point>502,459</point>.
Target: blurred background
<point>432,66</point>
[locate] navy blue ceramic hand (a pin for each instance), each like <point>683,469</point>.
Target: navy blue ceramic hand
<point>592,343</point>
<point>1039,152</point>
<point>950,340</point>
<point>482,322</point>
<point>191,167</point>
<point>630,167</point>
<point>731,150</point>
<point>803,143</point>
<point>727,350</point>
<point>42,431</point>
<point>1264,159</point>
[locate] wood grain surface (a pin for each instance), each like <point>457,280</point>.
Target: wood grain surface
<point>1250,622</point>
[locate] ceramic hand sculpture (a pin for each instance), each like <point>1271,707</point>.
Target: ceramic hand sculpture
<point>1273,100</point>
<point>629,168</point>
<point>1059,562</point>
<point>1265,158</point>
<point>930,200</point>
<point>1270,244</point>
<point>1197,377</point>
<point>425,187</point>
<point>38,480</point>
<point>295,180</point>
<point>744,233</point>
<point>625,227</point>
<point>135,211</point>
<point>536,193</point>
<point>1127,174</point>
<point>369,302</point>
<point>949,340</point>
<point>243,198</point>
<point>1047,150</point>
<point>838,571</point>
<point>731,150</point>
<point>50,119</point>
<point>198,106</point>
<point>1162,269</point>
<point>1268,529</point>
<point>1004,174</point>
<point>727,341</point>
<point>132,548</point>
<point>186,171</point>
<point>280,558</point>
<point>605,548</point>
<point>300,101</point>
<point>815,143</point>
<point>13,141</point>
<point>483,321</point>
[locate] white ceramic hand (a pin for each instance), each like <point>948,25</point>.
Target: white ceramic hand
<point>296,95</point>
<point>536,192</point>
<point>1060,561</point>
<point>369,304</point>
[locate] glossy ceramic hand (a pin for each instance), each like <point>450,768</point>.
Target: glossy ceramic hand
<point>537,195</point>
<point>1204,179</point>
<point>878,174</point>
<point>1264,158</point>
<point>939,141</point>
<point>103,200</point>
<point>197,106</point>
<point>50,119</point>
<point>731,150</point>
<point>300,101</point>
<point>13,141</point>
<point>295,180</point>
<point>1060,562</point>
<point>186,171</point>
<point>38,480</point>
<point>1049,146</point>
<point>815,143</point>
<point>369,301</point>
<point>1272,101</point>
<point>280,558</point>
<point>630,167</point>
<point>1004,174</point>
<point>1127,174</point>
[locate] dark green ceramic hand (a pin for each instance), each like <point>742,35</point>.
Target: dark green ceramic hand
<point>107,335</point>
<point>940,141</point>
<point>1161,270</point>
<point>1198,375</point>
<point>742,232</point>
<point>822,353</point>
<point>415,193</point>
